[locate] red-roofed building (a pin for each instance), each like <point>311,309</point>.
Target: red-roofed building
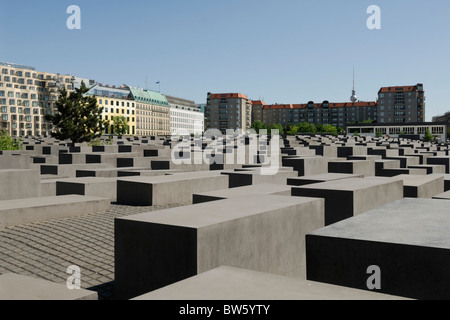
<point>404,104</point>
<point>337,114</point>
<point>228,111</point>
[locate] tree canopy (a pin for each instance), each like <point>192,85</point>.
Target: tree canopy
<point>77,117</point>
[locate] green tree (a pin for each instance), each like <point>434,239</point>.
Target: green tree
<point>320,128</point>
<point>258,125</point>
<point>77,117</point>
<point>329,128</point>
<point>428,136</point>
<point>8,143</point>
<point>277,126</point>
<point>121,125</point>
<point>305,127</point>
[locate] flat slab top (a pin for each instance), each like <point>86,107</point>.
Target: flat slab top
<point>328,176</point>
<point>18,287</point>
<point>260,188</point>
<point>215,212</point>
<point>18,170</point>
<point>350,184</point>
<point>113,169</point>
<point>353,161</point>
<point>419,222</point>
<point>445,195</point>
<point>174,177</point>
<point>417,180</point>
<point>88,180</point>
<point>229,283</point>
<point>45,201</point>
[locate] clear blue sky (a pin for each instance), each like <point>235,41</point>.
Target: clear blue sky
<point>285,51</point>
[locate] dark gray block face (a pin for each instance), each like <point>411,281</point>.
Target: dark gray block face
<point>134,193</point>
<point>134,277</point>
<point>66,188</point>
<point>348,197</point>
<point>407,239</point>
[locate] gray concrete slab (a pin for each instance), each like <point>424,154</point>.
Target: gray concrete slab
<point>348,197</point>
<point>364,167</point>
<point>167,189</point>
<point>263,188</point>
<point>431,168</point>
<point>90,186</point>
<point>19,183</point>
<point>229,283</point>
<point>306,165</point>
<point>421,186</point>
<point>399,171</point>
<point>251,176</point>
<point>18,287</point>
<point>22,211</point>
<point>258,232</point>
<point>104,172</point>
<point>443,196</point>
<point>317,178</point>
<point>407,239</point>
<point>442,161</point>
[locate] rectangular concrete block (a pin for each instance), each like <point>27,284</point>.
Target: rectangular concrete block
<point>262,188</point>
<point>306,165</point>
<point>364,167</point>
<point>167,189</point>
<point>399,171</point>
<point>421,186</point>
<point>233,284</point>
<point>406,161</point>
<point>348,197</point>
<point>19,287</point>
<point>251,176</point>
<point>317,178</point>
<point>23,211</point>
<point>259,232</point>
<point>408,240</point>
<point>431,168</point>
<point>442,161</point>
<point>90,186</point>
<point>19,183</point>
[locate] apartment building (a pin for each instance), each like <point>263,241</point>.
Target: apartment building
<point>336,114</point>
<point>26,96</point>
<point>228,111</point>
<point>403,104</point>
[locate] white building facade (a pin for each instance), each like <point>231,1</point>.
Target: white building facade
<point>185,117</point>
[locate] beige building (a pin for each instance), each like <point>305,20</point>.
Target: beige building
<point>116,102</point>
<point>152,113</point>
<point>26,96</point>
<point>228,111</point>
